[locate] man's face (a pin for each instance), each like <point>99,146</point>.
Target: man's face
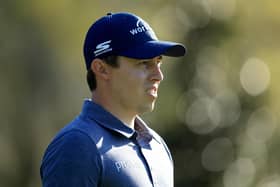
<point>135,83</point>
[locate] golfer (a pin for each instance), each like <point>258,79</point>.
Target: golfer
<point>108,144</point>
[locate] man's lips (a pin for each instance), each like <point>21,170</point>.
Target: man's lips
<point>154,88</point>
<point>152,91</point>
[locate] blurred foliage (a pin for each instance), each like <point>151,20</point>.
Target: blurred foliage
<point>218,108</point>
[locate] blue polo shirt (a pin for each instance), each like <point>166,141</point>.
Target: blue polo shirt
<point>97,149</point>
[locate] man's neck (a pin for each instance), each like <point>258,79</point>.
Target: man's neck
<point>126,117</point>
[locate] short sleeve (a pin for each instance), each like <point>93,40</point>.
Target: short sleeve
<point>71,160</point>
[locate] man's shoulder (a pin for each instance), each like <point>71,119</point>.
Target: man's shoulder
<point>80,128</point>
<point>75,135</point>
<point>71,155</point>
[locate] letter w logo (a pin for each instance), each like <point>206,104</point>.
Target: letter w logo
<point>133,31</point>
<point>103,48</point>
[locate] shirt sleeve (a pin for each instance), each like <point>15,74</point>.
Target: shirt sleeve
<point>71,160</point>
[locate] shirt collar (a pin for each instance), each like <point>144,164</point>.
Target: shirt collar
<point>104,118</point>
<point>145,134</point>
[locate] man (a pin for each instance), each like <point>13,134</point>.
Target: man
<point>108,144</point>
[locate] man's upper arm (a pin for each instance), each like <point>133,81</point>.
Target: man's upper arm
<point>71,160</point>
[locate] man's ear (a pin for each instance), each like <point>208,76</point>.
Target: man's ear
<point>100,68</point>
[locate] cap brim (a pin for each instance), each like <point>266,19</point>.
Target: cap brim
<point>152,49</point>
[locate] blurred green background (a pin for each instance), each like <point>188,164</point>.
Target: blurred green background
<point>218,108</point>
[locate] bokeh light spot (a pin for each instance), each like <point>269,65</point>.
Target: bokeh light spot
<point>229,107</point>
<point>218,154</point>
<point>197,117</point>
<point>222,9</point>
<point>270,181</point>
<point>184,102</point>
<point>241,173</point>
<point>261,125</point>
<point>255,150</point>
<point>254,76</point>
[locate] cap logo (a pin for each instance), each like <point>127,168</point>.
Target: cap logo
<point>140,27</point>
<point>103,47</point>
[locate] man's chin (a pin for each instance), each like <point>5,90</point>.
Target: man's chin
<point>149,107</point>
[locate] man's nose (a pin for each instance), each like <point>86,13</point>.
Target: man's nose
<point>157,74</point>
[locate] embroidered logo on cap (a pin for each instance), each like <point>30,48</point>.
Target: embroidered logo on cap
<point>140,27</point>
<point>103,47</point>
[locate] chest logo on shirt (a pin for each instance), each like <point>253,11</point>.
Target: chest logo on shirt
<point>125,164</point>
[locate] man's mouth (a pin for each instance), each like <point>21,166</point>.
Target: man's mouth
<point>153,91</point>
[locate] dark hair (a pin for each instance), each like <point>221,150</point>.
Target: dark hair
<point>111,60</point>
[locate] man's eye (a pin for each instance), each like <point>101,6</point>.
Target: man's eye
<point>149,63</point>
<point>144,62</point>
